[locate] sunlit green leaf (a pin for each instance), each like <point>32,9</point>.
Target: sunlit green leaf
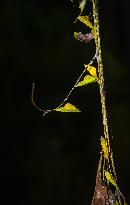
<point>68,108</point>
<point>87,79</point>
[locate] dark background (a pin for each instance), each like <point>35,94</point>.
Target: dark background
<point>53,159</point>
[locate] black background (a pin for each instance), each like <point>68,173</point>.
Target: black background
<point>53,159</point>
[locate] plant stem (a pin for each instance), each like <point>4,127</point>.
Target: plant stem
<point>100,68</point>
<point>101,80</point>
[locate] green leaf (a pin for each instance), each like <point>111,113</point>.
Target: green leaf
<point>76,34</point>
<point>87,79</point>
<point>82,5</point>
<point>68,108</point>
<point>113,182</point>
<point>110,179</point>
<point>105,148</point>
<point>86,21</point>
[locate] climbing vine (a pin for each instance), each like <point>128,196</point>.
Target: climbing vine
<point>106,188</point>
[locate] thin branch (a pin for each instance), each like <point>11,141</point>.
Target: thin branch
<point>90,63</point>
<point>34,104</point>
<point>65,99</point>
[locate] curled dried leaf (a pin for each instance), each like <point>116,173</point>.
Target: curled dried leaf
<point>84,37</point>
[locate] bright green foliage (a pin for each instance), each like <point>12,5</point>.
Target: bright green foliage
<point>68,108</point>
<point>104,147</point>
<point>87,79</point>
<point>110,178</point>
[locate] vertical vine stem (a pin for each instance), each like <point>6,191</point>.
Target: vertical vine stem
<point>100,68</point>
<point>101,79</point>
<point>103,192</point>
